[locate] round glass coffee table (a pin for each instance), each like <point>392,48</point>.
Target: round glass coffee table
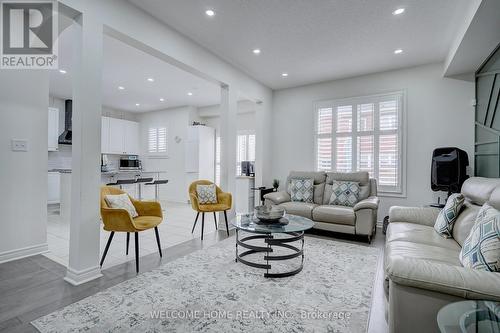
<point>291,229</point>
<point>470,316</point>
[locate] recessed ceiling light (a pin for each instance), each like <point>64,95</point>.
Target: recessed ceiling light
<point>150,79</point>
<point>210,12</point>
<point>62,71</point>
<point>398,11</point>
<point>398,51</point>
<point>190,94</point>
<point>162,99</point>
<point>256,51</point>
<point>137,104</point>
<point>121,87</point>
<point>284,74</point>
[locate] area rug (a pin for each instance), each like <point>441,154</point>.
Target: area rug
<point>207,291</point>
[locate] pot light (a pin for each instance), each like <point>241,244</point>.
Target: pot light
<point>162,99</point>
<point>398,11</point>
<point>121,88</point>
<point>150,79</point>
<point>284,74</point>
<point>210,12</point>
<point>190,94</point>
<point>62,71</point>
<point>137,104</point>
<point>256,51</point>
<point>398,51</point>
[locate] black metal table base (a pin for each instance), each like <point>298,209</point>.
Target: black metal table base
<point>270,241</point>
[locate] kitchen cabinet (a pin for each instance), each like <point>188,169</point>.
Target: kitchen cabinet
<point>53,129</point>
<point>104,134</point>
<point>119,136</point>
<point>54,188</point>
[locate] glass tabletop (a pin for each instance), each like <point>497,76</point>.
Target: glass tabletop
<point>470,316</point>
<point>289,223</point>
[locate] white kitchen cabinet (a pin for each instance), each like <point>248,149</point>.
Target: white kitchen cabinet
<point>119,136</point>
<point>53,129</point>
<point>104,134</point>
<point>54,188</point>
<point>131,137</point>
<point>200,153</point>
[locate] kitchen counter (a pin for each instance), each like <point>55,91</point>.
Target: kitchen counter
<point>60,170</point>
<point>128,172</point>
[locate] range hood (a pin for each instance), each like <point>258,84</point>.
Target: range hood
<point>66,135</point>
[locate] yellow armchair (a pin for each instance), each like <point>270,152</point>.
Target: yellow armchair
<point>150,215</point>
<point>224,203</point>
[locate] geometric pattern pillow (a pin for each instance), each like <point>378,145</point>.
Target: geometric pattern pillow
<point>345,193</point>
<point>121,201</point>
<point>448,215</point>
<point>302,190</point>
<point>481,249</point>
<point>207,194</point>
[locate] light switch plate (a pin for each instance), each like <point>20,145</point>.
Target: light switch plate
<point>19,145</point>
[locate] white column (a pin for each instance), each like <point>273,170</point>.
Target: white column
<point>228,130</point>
<point>84,227</point>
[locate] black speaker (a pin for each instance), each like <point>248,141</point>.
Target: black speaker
<point>448,169</point>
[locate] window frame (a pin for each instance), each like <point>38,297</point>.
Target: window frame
<point>401,131</point>
<point>157,154</point>
<point>247,134</point>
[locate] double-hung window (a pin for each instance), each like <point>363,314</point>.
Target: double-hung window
<point>363,134</point>
<point>245,149</point>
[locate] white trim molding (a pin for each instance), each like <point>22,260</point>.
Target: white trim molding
<point>23,252</point>
<point>77,278</point>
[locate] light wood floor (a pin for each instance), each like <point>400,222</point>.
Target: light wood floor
<point>34,286</point>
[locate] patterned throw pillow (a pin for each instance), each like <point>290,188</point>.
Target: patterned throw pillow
<point>481,248</point>
<point>448,215</point>
<point>302,190</point>
<point>207,194</point>
<point>121,201</point>
<point>345,194</point>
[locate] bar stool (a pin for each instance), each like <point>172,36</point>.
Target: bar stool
<point>139,182</point>
<point>156,183</point>
<point>120,182</point>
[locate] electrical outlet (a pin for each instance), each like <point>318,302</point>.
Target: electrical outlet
<point>19,145</point>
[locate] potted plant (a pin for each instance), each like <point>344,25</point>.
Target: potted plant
<point>276,184</point>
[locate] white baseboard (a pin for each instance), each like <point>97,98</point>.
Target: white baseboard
<point>23,252</point>
<point>77,278</point>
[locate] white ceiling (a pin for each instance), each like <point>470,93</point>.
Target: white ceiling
<point>129,67</point>
<point>316,40</point>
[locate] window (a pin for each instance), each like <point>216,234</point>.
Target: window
<point>362,134</point>
<point>245,149</point>
<point>157,140</point>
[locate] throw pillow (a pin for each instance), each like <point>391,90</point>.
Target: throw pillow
<point>302,190</point>
<point>207,194</point>
<point>121,201</point>
<point>344,193</point>
<point>481,249</point>
<point>448,215</point>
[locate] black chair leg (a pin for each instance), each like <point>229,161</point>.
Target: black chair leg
<point>202,224</point>
<point>215,220</point>
<point>196,220</point>
<point>137,252</point>
<point>128,242</point>
<point>158,241</point>
<point>225,218</point>
<point>107,247</point>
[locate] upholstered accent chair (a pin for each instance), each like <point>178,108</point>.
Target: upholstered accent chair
<point>224,203</point>
<point>119,220</point>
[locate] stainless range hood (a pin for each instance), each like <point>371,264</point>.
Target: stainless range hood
<point>66,135</point>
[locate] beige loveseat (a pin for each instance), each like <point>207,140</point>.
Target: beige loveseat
<point>423,272</point>
<point>359,220</point>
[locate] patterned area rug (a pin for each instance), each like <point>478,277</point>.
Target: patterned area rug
<point>207,291</point>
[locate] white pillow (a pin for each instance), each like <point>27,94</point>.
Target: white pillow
<point>207,194</point>
<point>121,201</point>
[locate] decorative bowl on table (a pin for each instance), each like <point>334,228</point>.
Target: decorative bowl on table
<point>269,214</point>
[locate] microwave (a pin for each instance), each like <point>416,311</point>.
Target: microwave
<point>130,162</point>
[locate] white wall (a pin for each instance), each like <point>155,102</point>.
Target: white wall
<point>244,121</point>
<point>439,113</point>
<point>24,99</point>
<point>177,121</point>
